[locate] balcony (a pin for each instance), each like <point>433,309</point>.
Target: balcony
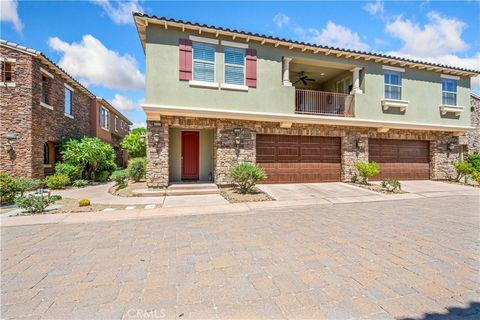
<point>324,103</point>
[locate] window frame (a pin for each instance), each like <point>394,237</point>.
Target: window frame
<point>116,124</point>
<point>225,64</point>
<point>385,84</point>
<point>214,62</point>
<point>4,71</point>
<point>68,89</point>
<point>455,93</point>
<point>105,118</point>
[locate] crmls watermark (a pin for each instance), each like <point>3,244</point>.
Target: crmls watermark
<point>145,314</point>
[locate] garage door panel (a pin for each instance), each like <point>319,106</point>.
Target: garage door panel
<point>299,158</point>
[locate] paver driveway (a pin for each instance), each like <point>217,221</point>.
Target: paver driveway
<point>377,260</point>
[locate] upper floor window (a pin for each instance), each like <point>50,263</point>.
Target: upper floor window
<point>45,83</point>
<point>68,101</point>
<point>393,85</point>
<point>104,118</point>
<point>203,62</point>
<point>449,92</point>
<point>116,123</point>
<point>7,71</point>
<point>234,66</point>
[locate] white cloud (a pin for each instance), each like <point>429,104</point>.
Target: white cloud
<point>9,13</point>
<point>139,124</point>
<point>123,103</point>
<point>375,8</point>
<point>94,64</point>
<point>336,35</point>
<point>120,11</point>
<point>440,36</point>
<point>280,20</point>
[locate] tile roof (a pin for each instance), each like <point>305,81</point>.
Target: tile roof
<point>373,54</point>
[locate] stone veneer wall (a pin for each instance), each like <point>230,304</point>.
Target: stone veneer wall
<point>34,125</point>
<point>227,155</point>
<point>473,137</point>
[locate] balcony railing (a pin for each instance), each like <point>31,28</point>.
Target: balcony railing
<point>324,103</point>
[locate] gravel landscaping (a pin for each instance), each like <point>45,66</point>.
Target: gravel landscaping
<point>127,191</point>
<point>233,196</point>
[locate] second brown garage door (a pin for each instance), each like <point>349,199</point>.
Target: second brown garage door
<point>400,159</point>
<point>297,159</point>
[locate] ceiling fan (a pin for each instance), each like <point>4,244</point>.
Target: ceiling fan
<point>303,77</point>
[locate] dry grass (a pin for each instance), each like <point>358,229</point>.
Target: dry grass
<point>233,196</point>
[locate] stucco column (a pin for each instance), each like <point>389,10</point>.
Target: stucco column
<point>356,80</point>
<point>286,71</point>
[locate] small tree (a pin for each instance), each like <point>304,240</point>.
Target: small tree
<point>134,144</point>
<point>367,170</point>
<point>464,168</point>
<point>246,175</point>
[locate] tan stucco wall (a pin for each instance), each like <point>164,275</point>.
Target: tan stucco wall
<point>206,153</point>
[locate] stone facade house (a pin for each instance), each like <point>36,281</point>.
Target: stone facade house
<point>473,137</point>
<point>40,105</point>
<point>303,112</point>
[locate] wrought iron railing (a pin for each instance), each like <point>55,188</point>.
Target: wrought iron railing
<point>324,103</point>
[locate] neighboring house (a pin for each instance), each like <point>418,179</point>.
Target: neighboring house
<point>217,97</point>
<point>40,105</point>
<point>473,137</point>
<point>111,126</point>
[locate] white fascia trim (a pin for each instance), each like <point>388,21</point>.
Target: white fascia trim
<point>8,59</point>
<point>448,76</point>
<point>43,104</point>
<point>237,87</point>
<point>68,115</point>
<point>295,118</point>
<point>206,84</point>
<point>384,67</point>
<point>68,87</point>
<point>45,72</point>
<point>234,44</point>
<point>202,39</point>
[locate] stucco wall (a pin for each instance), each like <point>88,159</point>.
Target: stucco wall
<point>420,87</point>
<point>206,154</point>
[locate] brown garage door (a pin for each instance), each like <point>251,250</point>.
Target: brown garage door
<point>291,159</point>
<point>400,159</point>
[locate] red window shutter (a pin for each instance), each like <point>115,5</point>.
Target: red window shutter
<point>185,46</point>
<point>251,68</point>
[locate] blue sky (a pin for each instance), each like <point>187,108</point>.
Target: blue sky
<point>96,41</point>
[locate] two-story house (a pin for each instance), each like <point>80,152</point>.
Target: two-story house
<point>40,105</point>
<point>216,97</point>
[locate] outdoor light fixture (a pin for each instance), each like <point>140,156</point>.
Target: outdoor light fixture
<point>237,132</point>
<point>359,144</point>
<point>450,146</point>
<point>8,144</point>
<point>156,137</point>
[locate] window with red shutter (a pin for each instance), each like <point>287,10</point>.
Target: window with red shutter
<point>185,57</point>
<point>251,68</point>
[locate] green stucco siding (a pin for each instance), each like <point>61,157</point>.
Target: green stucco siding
<point>206,154</point>
<point>420,87</point>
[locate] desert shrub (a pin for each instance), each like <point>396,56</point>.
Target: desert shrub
<point>475,175</point>
<point>57,181</point>
<point>464,168</point>
<point>391,185</point>
<point>137,168</point>
<point>8,188</point>
<point>246,175</point>
<point>120,177</point>
<point>74,172</point>
<point>367,170</point>
<point>79,183</point>
<point>474,159</point>
<point>91,154</point>
<point>134,144</point>
<point>27,184</point>
<point>36,203</point>
<point>83,202</point>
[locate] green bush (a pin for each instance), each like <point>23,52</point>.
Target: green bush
<point>367,170</point>
<point>79,183</point>
<point>8,188</point>
<point>34,203</point>
<point>57,181</point>
<point>475,175</point>
<point>246,175</point>
<point>74,172</point>
<point>474,159</point>
<point>137,168</point>
<point>83,202</point>
<point>134,144</point>
<point>391,185</point>
<point>102,176</point>
<point>464,168</point>
<point>120,177</point>
<point>95,157</point>
<point>27,184</point>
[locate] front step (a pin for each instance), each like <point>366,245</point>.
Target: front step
<point>191,186</point>
<point>190,189</point>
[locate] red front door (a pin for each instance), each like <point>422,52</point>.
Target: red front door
<point>190,155</point>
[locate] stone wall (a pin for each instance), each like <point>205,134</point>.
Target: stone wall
<point>227,154</point>
<point>473,137</point>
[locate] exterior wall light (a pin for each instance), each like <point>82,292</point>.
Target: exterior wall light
<point>8,144</point>
<point>156,138</point>
<point>237,132</point>
<point>359,144</point>
<point>450,146</point>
